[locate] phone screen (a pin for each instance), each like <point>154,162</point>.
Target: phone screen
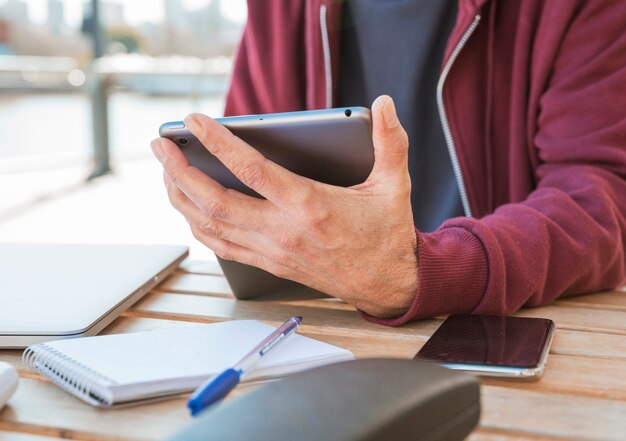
<point>489,340</point>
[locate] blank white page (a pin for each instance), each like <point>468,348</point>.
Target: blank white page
<point>199,350</point>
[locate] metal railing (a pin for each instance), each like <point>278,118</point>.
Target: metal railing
<point>166,75</point>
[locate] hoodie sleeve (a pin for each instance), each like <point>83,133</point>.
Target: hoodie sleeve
<point>568,236</point>
<point>268,74</point>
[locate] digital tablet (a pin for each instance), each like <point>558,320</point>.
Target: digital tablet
<point>333,146</point>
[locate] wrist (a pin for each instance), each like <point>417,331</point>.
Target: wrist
<point>399,289</point>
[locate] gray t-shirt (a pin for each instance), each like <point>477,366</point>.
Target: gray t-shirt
<point>396,47</point>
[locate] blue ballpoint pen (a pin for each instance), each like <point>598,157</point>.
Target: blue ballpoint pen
<point>218,386</point>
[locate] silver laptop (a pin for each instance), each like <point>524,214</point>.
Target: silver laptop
<point>50,291</point>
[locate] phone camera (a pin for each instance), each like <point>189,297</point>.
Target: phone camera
<point>182,141</point>
<point>348,112</point>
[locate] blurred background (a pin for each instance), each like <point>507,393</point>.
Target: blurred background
<point>84,86</point>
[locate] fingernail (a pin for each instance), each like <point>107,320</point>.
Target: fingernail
<point>191,120</point>
<point>157,149</point>
<point>389,113</point>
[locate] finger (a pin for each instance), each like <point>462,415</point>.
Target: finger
<point>231,251</point>
<point>271,244</point>
<point>272,252</point>
<point>391,144</point>
<point>209,196</point>
<point>212,227</point>
<point>267,178</point>
<point>233,243</point>
<point>228,250</point>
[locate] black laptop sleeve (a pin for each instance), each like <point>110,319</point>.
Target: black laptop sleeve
<point>368,399</point>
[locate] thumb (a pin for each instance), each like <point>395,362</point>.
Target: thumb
<point>391,143</point>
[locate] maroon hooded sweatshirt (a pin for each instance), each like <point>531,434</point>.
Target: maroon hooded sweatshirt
<point>532,100</point>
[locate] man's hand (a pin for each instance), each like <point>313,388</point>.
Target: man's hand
<point>357,244</point>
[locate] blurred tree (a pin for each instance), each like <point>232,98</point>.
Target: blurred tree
<point>126,36</point>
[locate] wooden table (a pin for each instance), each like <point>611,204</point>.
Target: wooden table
<point>581,396</point>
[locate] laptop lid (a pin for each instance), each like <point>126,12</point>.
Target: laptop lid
<point>52,291</point>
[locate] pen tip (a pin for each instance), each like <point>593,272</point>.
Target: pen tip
<point>298,319</point>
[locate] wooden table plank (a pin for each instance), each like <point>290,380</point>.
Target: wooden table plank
<point>579,376</point>
<point>372,346</point>
<point>611,300</point>
<point>607,319</point>
<point>325,303</point>
<point>196,284</point>
<point>593,319</point>
<point>566,342</point>
<point>41,406</point>
<point>589,344</point>
<point>20,436</point>
<point>485,434</point>
<point>580,319</point>
<point>540,413</point>
<point>197,308</point>
<point>192,266</point>
<point>503,408</point>
<point>604,300</point>
<point>200,308</point>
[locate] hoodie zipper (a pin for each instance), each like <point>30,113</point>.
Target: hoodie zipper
<point>326,48</point>
<point>444,117</point>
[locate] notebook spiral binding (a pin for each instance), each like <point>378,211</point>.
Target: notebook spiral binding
<point>69,374</point>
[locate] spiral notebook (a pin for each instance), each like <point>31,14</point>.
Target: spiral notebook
<point>124,369</point>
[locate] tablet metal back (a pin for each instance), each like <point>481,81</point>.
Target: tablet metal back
<point>333,146</point>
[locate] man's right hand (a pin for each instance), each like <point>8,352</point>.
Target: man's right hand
<point>357,244</point>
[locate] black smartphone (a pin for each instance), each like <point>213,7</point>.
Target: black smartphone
<point>512,347</point>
